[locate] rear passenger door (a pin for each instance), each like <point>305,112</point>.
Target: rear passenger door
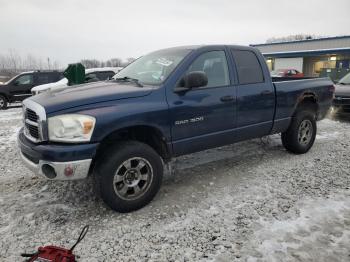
<point>255,96</point>
<point>43,78</point>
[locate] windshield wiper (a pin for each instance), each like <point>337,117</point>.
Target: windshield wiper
<point>342,83</point>
<point>129,79</point>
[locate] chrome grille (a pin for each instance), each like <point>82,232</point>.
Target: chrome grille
<point>32,128</point>
<point>31,115</point>
<point>34,121</point>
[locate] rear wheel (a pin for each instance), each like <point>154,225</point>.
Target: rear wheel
<point>129,176</point>
<point>3,102</point>
<point>301,134</point>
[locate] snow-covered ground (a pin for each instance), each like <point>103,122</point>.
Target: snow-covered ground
<point>251,201</point>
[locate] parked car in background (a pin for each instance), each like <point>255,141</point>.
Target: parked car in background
<point>341,102</point>
<point>19,87</point>
<point>166,104</point>
<point>292,73</point>
<point>100,74</point>
<point>91,75</point>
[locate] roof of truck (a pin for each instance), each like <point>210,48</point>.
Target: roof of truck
<point>194,47</point>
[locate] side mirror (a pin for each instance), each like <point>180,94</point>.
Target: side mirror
<point>16,83</point>
<point>191,80</point>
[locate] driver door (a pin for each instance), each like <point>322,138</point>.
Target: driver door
<point>204,117</point>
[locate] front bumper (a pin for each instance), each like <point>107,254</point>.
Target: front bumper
<point>342,104</point>
<point>57,162</point>
<point>59,170</point>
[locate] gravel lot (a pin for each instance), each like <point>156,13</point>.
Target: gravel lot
<point>251,201</point>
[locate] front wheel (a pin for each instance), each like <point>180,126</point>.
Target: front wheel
<point>128,176</point>
<point>3,102</point>
<point>301,134</point>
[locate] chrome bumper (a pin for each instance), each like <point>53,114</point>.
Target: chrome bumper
<point>64,170</point>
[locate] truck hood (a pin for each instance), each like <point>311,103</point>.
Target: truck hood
<point>342,90</point>
<point>91,93</point>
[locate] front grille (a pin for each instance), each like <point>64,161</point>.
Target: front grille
<point>31,125</point>
<point>345,108</point>
<point>31,115</point>
<point>341,101</point>
<point>33,130</point>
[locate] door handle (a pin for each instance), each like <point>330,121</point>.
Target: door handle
<point>227,98</point>
<point>266,92</point>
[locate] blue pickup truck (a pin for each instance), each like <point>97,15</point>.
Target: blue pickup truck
<point>168,103</point>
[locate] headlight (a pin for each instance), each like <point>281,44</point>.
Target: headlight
<point>71,128</point>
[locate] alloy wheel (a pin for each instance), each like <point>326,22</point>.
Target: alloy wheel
<point>133,178</point>
<point>305,132</point>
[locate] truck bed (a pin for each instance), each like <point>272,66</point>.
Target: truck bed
<point>288,91</point>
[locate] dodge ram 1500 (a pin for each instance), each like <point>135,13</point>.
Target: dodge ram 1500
<point>165,104</point>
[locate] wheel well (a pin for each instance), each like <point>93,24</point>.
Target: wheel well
<point>308,101</point>
<point>145,134</point>
<point>1,94</point>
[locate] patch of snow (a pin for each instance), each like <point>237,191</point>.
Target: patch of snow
<point>323,225</point>
<point>10,115</point>
<point>327,135</point>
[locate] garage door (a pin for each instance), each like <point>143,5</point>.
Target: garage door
<point>289,63</point>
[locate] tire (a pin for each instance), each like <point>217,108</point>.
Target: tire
<point>301,134</point>
<point>3,102</point>
<point>131,165</point>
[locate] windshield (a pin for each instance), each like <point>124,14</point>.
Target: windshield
<point>154,68</point>
<point>345,80</point>
<point>9,81</point>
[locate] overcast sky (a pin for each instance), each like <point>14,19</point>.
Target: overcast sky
<point>68,30</point>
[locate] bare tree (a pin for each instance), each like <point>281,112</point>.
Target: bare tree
<point>115,62</point>
<point>12,63</point>
<point>92,63</point>
<point>14,60</point>
<point>129,60</point>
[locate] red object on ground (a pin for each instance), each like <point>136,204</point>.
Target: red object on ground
<point>56,254</point>
<point>53,254</point>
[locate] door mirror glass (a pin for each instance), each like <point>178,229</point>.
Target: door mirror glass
<point>195,79</point>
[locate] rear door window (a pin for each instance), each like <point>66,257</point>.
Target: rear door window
<point>43,79</point>
<point>248,67</point>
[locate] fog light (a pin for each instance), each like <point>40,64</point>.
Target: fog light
<point>69,171</point>
<point>49,171</point>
